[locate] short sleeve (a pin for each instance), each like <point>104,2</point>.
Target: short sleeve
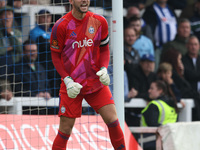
<point>58,33</point>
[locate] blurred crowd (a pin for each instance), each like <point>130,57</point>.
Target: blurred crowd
<point>161,43</point>
<point>161,60</point>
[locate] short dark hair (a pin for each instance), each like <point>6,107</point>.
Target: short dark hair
<point>192,37</point>
<point>134,18</point>
<point>28,42</point>
<point>6,8</point>
<point>182,20</point>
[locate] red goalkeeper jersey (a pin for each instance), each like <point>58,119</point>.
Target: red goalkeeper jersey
<point>79,43</point>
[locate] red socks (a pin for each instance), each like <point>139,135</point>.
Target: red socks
<point>115,132</point>
<point>60,141</point>
<point>116,135</point>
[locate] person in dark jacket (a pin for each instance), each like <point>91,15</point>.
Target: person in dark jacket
<point>191,62</point>
<point>142,75</point>
<point>30,76</point>
<point>41,35</point>
<point>131,55</point>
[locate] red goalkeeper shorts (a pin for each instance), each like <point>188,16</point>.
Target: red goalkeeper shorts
<point>72,107</point>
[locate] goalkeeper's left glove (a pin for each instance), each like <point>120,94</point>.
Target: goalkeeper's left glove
<point>104,77</point>
<point>73,88</point>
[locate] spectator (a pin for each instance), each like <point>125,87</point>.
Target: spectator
<point>10,41</point>
<point>43,28</point>
<point>30,76</point>
<point>165,73</point>
<point>3,3</point>
<point>191,62</point>
<point>162,20</point>
<point>6,70</point>
<point>131,55</point>
<point>134,11</point>
<point>131,11</point>
<point>5,90</point>
<point>174,57</point>
<point>142,76</point>
<point>160,98</point>
<point>179,43</point>
<point>162,105</point>
<point>195,20</point>
<point>142,44</point>
<point>15,3</point>
<point>41,34</point>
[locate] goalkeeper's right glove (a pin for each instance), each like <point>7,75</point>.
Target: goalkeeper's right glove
<point>73,88</point>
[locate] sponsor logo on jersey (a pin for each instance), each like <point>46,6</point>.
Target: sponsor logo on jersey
<point>55,44</point>
<point>91,30</point>
<point>63,109</point>
<point>85,43</point>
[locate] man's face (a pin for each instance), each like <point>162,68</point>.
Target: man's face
<point>80,5</point>
<point>184,30</point>
<point>3,3</point>
<point>45,19</point>
<point>7,18</point>
<point>129,36</point>
<point>30,52</point>
<point>147,66</point>
<point>136,25</point>
<point>193,46</point>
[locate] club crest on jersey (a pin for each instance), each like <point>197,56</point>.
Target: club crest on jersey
<point>55,44</point>
<point>63,109</point>
<point>91,30</point>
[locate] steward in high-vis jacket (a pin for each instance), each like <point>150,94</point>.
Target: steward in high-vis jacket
<point>159,112</point>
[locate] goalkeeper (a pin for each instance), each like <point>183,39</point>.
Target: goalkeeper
<point>80,54</point>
